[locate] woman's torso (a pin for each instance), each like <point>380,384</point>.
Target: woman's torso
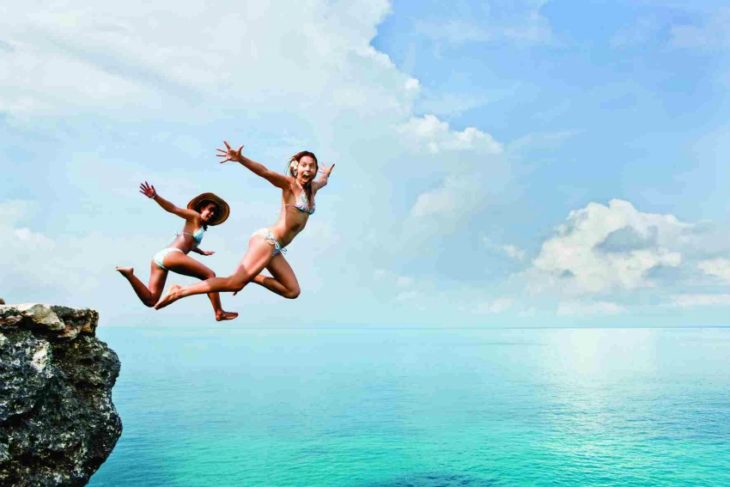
<point>190,237</point>
<point>295,212</point>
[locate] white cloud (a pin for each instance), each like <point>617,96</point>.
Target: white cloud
<point>34,265</point>
<point>716,267</point>
<point>23,249</point>
<point>578,308</point>
<point>455,196</point>
<point>511,251</point>
<point>434,136</point>
<point>605,248</point>
<point>475,174</point>
<point>514,252</point>
<point>412,85</point>
<point>174,56</point>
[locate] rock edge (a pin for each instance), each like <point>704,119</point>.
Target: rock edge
<point>57,420</point>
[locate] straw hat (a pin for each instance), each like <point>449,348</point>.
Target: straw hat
<point>222,212</point>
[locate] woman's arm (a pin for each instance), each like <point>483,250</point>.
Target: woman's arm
<point>277,179</point>
<point>149,191</point>
<point>202,252</point>
<point>324,177</point>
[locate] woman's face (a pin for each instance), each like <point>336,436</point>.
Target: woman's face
<point>307,168</point>
<point>207,212</point>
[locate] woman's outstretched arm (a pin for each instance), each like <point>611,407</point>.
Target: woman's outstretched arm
<point>229,154</point>
<point>149,191</point>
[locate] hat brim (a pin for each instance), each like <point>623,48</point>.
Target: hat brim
<point>222,212</point>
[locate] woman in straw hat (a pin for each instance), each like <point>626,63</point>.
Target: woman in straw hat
<point>267,246</point>
<point>204,210</point>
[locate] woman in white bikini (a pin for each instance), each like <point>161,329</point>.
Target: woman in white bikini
<point>204,210</point>
<point>267,246</point>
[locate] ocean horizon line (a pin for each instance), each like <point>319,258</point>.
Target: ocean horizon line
<point>420,327</point>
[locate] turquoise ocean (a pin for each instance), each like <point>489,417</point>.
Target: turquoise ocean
<point>224,405</point>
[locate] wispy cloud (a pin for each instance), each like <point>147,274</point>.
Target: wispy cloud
<point>693,300</point>
<point>510,250</point>
<point>495,306</point>
<point>589,308</point>
<point>709,32</point>
<point>518,22</point>
<point>454,197</point>
<point>514,252</point>
<point>719,268</point>
<point>643,30</point>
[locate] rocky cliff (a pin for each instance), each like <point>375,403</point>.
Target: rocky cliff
<point>57,420</point>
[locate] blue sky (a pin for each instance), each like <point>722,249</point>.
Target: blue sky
<point>536,163</point>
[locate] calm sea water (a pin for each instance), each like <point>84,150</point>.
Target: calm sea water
<point>221,405</point>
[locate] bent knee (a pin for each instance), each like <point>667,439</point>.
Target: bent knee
<point>293,293</point>
<point>151,299</point>
<point>236,285</point>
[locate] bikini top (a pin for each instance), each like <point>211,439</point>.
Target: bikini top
<point>197,235</point>
<point>302,204</point>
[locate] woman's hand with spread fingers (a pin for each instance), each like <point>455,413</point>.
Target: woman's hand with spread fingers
<point>229,153</point>
<point>148,190</point>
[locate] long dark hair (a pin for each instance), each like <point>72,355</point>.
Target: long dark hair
<point>293,172</point>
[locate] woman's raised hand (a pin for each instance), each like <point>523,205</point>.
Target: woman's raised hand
<point>148,190</point>
<point>326,171</point>
<point>229,154</point>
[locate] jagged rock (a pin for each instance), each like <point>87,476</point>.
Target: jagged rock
<point>57,420</point>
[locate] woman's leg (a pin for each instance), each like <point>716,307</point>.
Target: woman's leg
<point>282,281</point>
<point>147,294</point>
<point>184,264</point>
<point>257,257</point>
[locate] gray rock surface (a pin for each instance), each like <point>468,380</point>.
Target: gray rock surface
<point>57,420</point>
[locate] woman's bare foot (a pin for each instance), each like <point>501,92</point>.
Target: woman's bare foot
<point>225,315</point>
<point>172,295</point>
<point>125,271</point>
